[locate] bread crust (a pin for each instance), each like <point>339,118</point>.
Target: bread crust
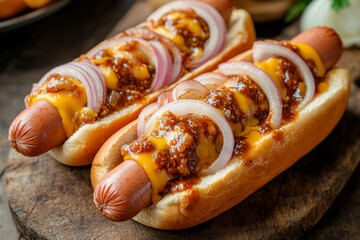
<point>267,158</point>
<point>80,148</point>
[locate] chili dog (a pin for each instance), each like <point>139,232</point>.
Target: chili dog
<point>188,192</point>
<point>106,88</point>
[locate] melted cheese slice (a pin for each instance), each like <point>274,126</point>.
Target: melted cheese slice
<point>182,22</point>
<point>158,178</point>
<point>138,69</point>
<point>67,104</point>
<point>308,53</point>
<point>272,67</point>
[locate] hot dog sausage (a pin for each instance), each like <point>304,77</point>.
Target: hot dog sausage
<point>224,7</point>
<point>110,191</point>
<point>320,39</point>
<point>37,129</point>
<point>118,203</point>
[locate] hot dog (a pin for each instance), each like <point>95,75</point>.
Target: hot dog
<point>134,66</point>
<point>261,150</point>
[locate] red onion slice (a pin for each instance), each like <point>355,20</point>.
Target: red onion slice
<point>152,52</point>
<point>164,98</point>
<point>188,89</point>
<point>263,80</point>
<point>144,116</point>
<point>88,74</point>
<point>197,107</point>
<point>177,57</point>
<point>211,80</point>
<point>167,63</point>
<point>263,50</point>
<point>211,16</point>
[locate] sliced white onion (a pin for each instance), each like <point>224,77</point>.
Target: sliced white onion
<point>144,116</point>
<point>177,57</point>
<point>88,74</point>
<point>200,108</point>
<point>263,50</point>
<point>188,89</point>
<point>211,80</point>
<point>211,16</point>
<point>164,98</point>
<point>263,80</point>
<point>152,52</point>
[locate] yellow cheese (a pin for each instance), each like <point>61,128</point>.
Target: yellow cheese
<point>111,80</point>
<point>182,22</point>
<point>67,105</point>
<point>271,67</point>
<point>242,101</point>
<point>307,52</point>
<point>175,38</point>
<point>253,136</point>
<point>158,178</point>
<point>191,24</point>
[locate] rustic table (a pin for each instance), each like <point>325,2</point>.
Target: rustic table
<point>26,53</point>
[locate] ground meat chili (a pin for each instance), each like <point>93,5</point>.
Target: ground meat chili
<point>130,89</point>
<point>224,100</point>
<point>246,86</point>
<point>192,40</point>
<point>57,83</point>
<point>179,159</point>
<point>291,78</point>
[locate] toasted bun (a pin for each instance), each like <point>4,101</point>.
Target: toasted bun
<point>80,148</point>
<point>271,155</point>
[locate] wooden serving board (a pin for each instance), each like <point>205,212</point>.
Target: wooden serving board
<point>51,201</point>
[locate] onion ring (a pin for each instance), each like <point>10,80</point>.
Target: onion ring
<point>188,89</point>
<point>177,56</point>
<point>88,74</point>
<point>144,116</point>
<point>263,50</point>
<point>211,16</point>
<point>147,48</point>
<point>263,80</point>
<point>197,107</point>
<point>211,80</point>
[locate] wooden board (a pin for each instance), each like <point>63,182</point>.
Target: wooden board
<point>51,201</point>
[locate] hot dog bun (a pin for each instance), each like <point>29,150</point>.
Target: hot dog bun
<point>272,154</point>
<point>80,148</point>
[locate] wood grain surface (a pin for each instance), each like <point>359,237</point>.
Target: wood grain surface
<point>52,201</point>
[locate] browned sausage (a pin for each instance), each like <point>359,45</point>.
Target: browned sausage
<point>119,199</point>
<point>325,41</point>
<point>37,129</point>
<point>224,7</point>
<point>123,192</point>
